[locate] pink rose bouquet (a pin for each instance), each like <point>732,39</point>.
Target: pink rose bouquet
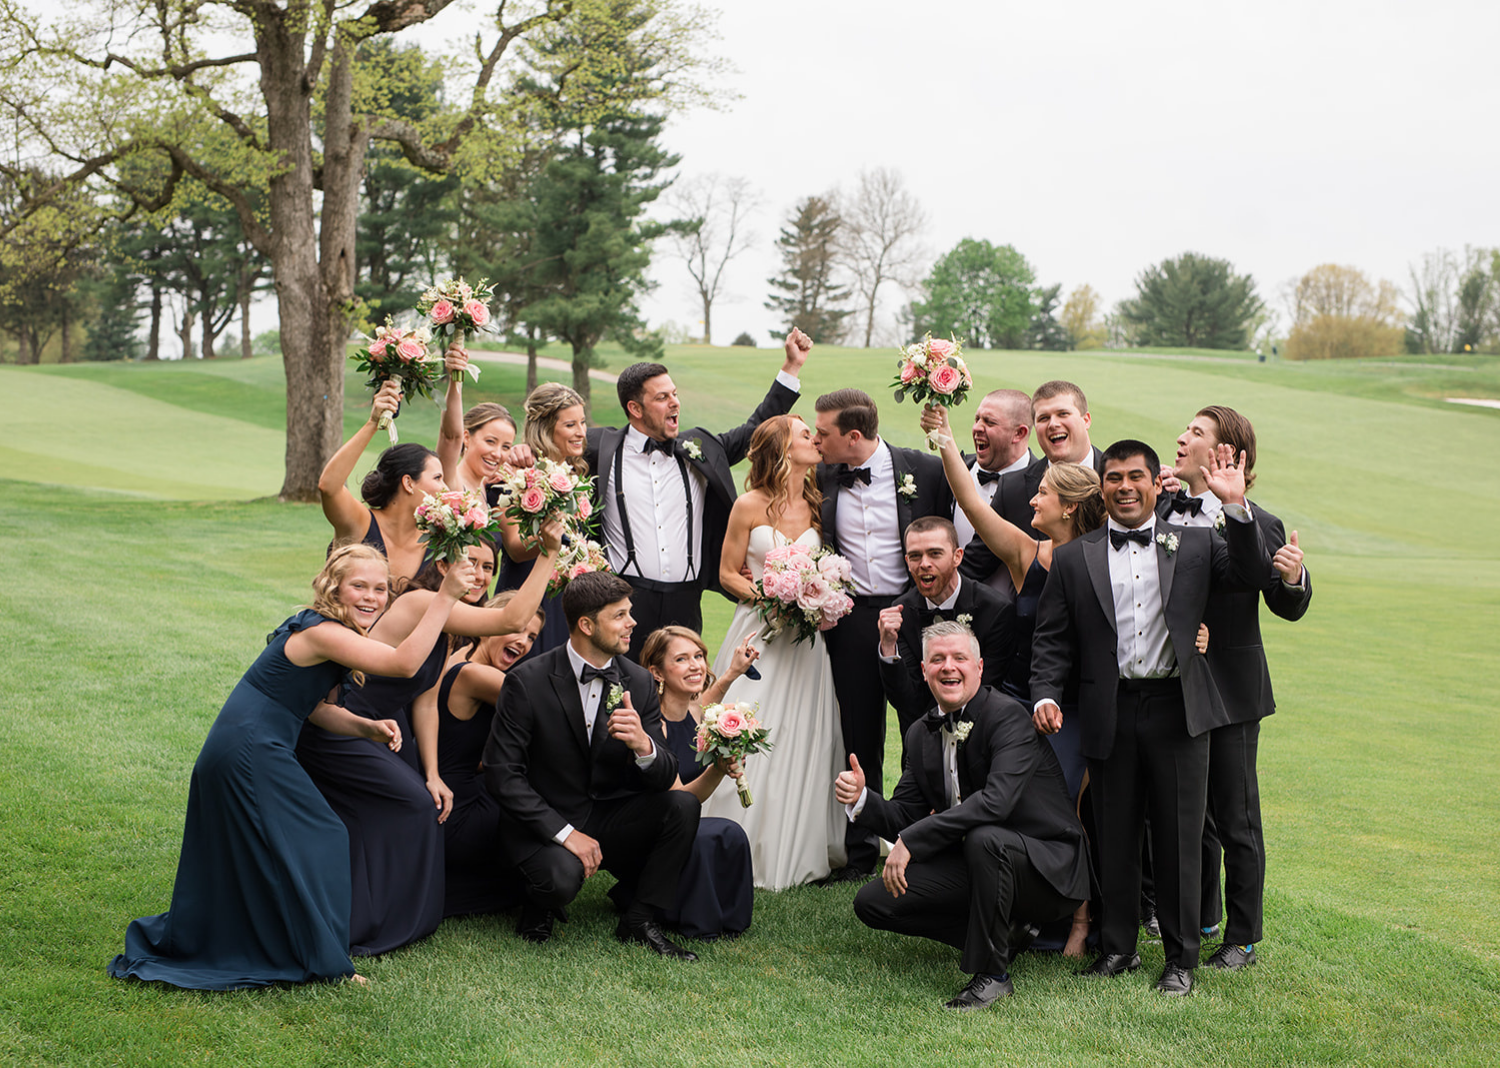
<point>731,732</point>
<point>452,306</point>
<point>402,355</point>
<point>932,371</point>
<point>450,522</point>
<point>804,590</point>
<point>579,556</point>
<point>536,495</point>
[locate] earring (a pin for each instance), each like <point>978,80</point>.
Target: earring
<point>1067,515</point>
<point>661,686</point>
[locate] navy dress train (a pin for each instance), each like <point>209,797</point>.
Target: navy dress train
<point>262,890</point>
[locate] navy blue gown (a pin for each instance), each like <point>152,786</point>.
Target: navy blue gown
<point>478,878</point>
<point>395,843</point>
<point>262,890</point>
<point>716,893</point>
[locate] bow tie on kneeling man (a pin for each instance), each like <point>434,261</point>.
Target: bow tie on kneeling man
<point>936,719</point>
<point>848,476</point>
<point>1185,504</point>
<point>608,673</point>
<point>1118,538</point>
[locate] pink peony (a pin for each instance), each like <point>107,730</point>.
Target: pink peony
<point>939,348</point>
<point>910,372</point>
<point>585,508</point>
<point>442,312</point>
<point>411,349</point>
<point>377,347</point>
<point>832,567</point>
<point>533,499</point>
<point>475,517</point>
<point>478,311</point>
<point>945,379</point>
<point>777,553</point>
<point>561,480</point>
<point>731,722</point>
<point>815,591</point>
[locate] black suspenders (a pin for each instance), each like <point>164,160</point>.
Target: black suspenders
<point>687,489</point>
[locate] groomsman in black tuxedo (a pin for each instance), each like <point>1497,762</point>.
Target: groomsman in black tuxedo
<point>580,782</point>
<point>1061,413</point>
<point>987,842</point>
<point>666,494</point>
<point>1121,610</point>
<point>938,593</point>
<point>1002,433</point>
<point>1232,831</point>
<point>871,493</point>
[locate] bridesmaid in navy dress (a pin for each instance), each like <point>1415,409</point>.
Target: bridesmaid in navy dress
<point>717,889</point>
<point>262,891</point>
<point>452,724</point>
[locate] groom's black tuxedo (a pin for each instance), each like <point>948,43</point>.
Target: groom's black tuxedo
<point>1145,739</point>
<point>1012,501</point>
<point>546,773</point>
<point>656,607</point>
<point>1237,659</point>
<point>854,644</point>
<point>1011,851</point>
<point>993,622</point>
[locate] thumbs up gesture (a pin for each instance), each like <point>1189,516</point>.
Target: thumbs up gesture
<point>1288,561</point>
<point>850,784</point>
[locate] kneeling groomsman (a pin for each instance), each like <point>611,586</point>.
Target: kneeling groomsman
<point>986,841</point>
<point>939,593</point>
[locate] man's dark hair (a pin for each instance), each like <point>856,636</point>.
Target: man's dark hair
<point>632,382</point>
<point>590,593</point>
<point>856,410</point>
<point>926,523</point>
<point>1237,432</point>
<point>1123,450</point>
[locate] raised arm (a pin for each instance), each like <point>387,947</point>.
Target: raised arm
<point>744,655</point>
<point>450,444</point>
<point>349,516</point>
<point>778,399</point>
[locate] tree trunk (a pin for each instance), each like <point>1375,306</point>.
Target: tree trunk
<point>185,334</point>
<point>153,339</point>
<point>208,337</point>
<point>708,331</point>
<point>67,339</point>
<point>530,359</point>
<point>246,282</point>
<point>582,358</point>
<point>23,346</point>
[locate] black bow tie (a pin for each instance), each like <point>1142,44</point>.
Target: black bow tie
<point>928,616</point>
<point>848,476</point>
<point>1183,503</point>
<point>986,477</point>
<point>936,720</point>
<point>590,673</point>
<point>663,447</point>
<point>1118,538</point>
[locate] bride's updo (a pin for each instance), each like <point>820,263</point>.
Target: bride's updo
<point>771,470</point>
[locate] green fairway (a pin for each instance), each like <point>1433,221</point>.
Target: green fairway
<point>142,575</point>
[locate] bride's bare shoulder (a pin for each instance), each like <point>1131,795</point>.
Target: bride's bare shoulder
<point>751,504</point>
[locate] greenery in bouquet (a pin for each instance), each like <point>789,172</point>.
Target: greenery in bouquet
<point>803,590</point>
<point>452,521</point>
<point>731,732</point>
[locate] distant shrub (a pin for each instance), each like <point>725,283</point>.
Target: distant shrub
<point>744,340</point>
<point>267,343</point>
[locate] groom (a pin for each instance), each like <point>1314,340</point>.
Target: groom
<point>666,495</point>
<point>871,493</point>
<point>580,781</point>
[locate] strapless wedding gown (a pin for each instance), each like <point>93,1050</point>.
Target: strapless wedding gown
<point>795,827</point>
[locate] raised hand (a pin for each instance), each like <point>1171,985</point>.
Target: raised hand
<point>387,400</point>
<point>455,359</point>
<point>519,455</point>
<point>462,577</point>
<point>1170,482</point>
<point>1226,475</point>
<point>625,725</point>
<point>889,625</point>
<point>1288,560</point>
<point>850,784</point>
<point>744,655</point>
<point>552,536</point>
<point>797,346</point>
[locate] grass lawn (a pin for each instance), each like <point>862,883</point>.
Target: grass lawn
<point>142,575</point>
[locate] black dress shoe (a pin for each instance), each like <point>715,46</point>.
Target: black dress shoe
<point>1175,981</point>
<point>847,874</point>
<point>648,934</point>
<point>1020,938</point>
<point>1111,964</point>
<point>1150,922</point>
<point>535,924</point>
<point>982,992</point>
<point>1231,957</point>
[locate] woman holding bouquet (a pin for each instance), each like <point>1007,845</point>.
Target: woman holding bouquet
<point>557,430</point>
<point>474,445</point>
<point>715,894</point>
<point>795,827</point>
<point>262,893</point>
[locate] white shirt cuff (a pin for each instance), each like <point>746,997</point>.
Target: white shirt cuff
<point>791,382</point>
<point>1300,584</point>
<point>889,659</point>
<point>853,811</point>
<point>562,836</point>
<point>1044,701</point>
<point>647,760</point>
<point>1240,513</point>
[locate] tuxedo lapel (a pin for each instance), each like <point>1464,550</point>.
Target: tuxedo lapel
<point>565,687</point>
<point>1166,564</point>
<point>609,443</point>
<point>831,509</point>
<point>932,769</point>
<point>1096,559</point>
<point>899,470</point>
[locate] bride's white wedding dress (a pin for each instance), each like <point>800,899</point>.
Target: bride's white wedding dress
<point>795,827</point>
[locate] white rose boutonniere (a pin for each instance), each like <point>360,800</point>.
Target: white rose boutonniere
<point>966,619</point>
<point>961,731</point>
<point>693,449</point>
<point>1167,541</point>
<point>907,487</point>
<point>1219,522</point>
<point>613,698</point>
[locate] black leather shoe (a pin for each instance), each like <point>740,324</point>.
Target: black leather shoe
<point>1021,937</point>
<point>982,992</point>
<point>1175,981</point>
<point>1112,964</point>
<point>648,934</point>
<point>535,924</point>
<point>1152,925</point>
<point>1231,957</point>
<point>847,874</point>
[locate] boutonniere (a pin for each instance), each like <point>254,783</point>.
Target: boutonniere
<point>613,698</point>
<point>961,731</point>
<point>1168,542</point>
<point>693,449</point>
<point>966,619</point>
<point>1219,522</point>
<point>907,487</point>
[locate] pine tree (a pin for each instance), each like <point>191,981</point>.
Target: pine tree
<point>808,294</point>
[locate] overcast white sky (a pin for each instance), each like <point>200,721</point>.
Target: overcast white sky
<point>1098,137</point>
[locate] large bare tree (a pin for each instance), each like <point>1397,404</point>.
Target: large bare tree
<point>719,208</point>
<point>882,238</point>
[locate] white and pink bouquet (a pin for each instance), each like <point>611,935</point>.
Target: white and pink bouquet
<point>804,590</point>
<point>579,556</point>
<point>452,306</point>
<point>932,371</point>
<point>536,495</point>
<point>402,355</point>
<point>452,521</point>
<point>731,732</point>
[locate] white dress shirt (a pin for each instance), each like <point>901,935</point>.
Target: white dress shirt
<point>657,508</point>
<point>869,530</point>
<point>1143,646</point>
<point>951,792</point>
<point>961,522</point>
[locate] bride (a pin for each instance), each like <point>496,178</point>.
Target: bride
<point>795,827</point>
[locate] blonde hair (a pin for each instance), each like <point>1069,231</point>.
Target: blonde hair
<point>325,584</point>
<point>1077,485</point>
<point>543,406</point>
